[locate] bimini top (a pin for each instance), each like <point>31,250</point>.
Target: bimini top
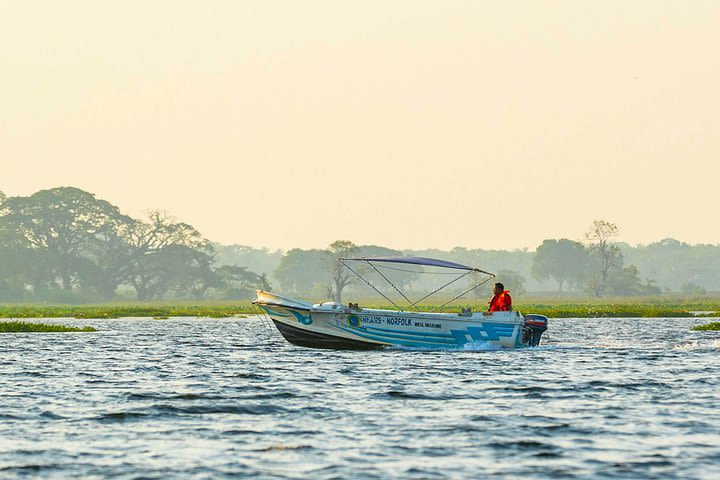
<point>430,262</point>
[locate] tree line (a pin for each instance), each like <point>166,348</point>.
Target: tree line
<point>595,267</point>
<point>598,266</point>
<point>66,245</point>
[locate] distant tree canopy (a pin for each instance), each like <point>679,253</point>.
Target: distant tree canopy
<point>340,275</point>
<point>606,255</point>
<point>597,267</point>
<point>563,260</point>
<point>63,244</point>
<point>673,263</point>
<point>317,273</point>
<point>300,271</point>
<point>402,277</point>
<point>511,280</point>
<point>692,288</point>
<point>261,260</point>
<point>241,282</point>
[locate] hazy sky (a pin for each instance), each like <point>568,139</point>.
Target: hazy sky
<point>408,124</point>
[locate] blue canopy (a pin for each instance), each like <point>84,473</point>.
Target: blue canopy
<point>430,262</point>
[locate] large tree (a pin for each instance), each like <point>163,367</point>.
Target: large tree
<point>261,260</point>
<point>194,272</point>
<point>167,254</point>
<point>17,263</point>
<point>65,238</point>
<point>565,261</point>
<point>112,258</point>
<point>607,254</point>
<point>626,282</point>
<point>239,282</point>
<point>512,281</point>
<point>68,224</point>
<point>340,276</point>
<point>300,270</point>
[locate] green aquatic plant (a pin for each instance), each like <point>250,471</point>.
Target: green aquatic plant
<point>129,310</point>
<point>15,327</point>
<point>553,308</point>
<point>714,326</point>
<point>588,310</point>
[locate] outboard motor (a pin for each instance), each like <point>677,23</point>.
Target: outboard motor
<point>535,326</point>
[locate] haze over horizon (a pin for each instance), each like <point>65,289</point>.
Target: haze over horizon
<point>409,125</point>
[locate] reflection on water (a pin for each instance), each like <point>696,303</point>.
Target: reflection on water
<point>212,398</point>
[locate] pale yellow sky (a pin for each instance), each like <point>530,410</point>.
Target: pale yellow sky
<point>409,124</point>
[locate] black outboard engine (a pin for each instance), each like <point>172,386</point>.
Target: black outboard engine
<point>535,326</point>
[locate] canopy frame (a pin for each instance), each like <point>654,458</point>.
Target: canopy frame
<point>415,261</point>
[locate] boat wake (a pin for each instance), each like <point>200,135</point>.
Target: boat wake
<point>476,346</point>
<point>698,345</point>
<point>480,346</point>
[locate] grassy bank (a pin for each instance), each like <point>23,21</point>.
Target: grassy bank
<point>15,327</point>
<point>128,310</point>
<point>714,326</point>
<point>596,310</point>
<point>554,309</point>
<point>620,310</point>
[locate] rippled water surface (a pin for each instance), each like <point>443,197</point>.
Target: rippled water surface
<point>205,398</point>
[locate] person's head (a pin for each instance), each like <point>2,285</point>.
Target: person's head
<point>499,288</point>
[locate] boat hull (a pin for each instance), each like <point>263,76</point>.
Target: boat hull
<point>306,338</point>
<point>339,327</point>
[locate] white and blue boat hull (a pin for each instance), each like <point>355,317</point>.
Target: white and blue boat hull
<point>330,325</point>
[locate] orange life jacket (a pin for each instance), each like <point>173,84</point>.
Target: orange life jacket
<point>501,302</point>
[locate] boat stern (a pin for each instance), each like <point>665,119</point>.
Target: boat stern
<point>535,325</point>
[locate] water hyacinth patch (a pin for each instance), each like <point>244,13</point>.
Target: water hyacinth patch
<point>582,308</point>
<point>714,326</point>
<point>125,311</point>
<point>16,327</point>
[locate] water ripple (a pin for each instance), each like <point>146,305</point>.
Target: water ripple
<point>205,398</point>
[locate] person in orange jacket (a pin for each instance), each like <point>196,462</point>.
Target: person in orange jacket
<point>501,302</point>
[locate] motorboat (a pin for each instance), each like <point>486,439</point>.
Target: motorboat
<point>338,326</point>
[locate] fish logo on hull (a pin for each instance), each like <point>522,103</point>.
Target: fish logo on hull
<point>304,319</point>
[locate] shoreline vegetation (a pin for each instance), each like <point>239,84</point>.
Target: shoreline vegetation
<point>159,311</point>
<point>22,327</point>
<point>65,246</point>
<point>616,308</point>
<point>710,327</point>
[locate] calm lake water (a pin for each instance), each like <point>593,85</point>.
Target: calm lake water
<point>207,398</point>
